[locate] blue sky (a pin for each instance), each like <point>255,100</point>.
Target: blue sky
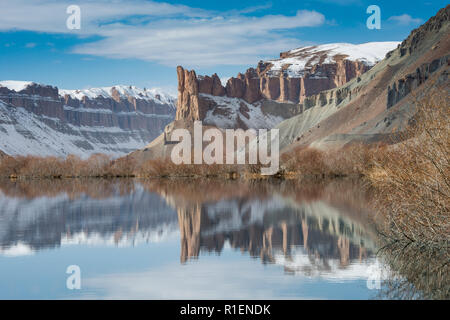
<point>141,42</point>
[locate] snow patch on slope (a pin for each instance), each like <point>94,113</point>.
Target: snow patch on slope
<point>15,85</point>
<point>24,133</point>
<point>154,94</point>
<point>226,111</point>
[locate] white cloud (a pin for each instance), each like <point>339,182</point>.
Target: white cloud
<point>201,42</point>
<point>255,8</point>
<point>161,32</point>
<point>51,16</point>
<point>405,19</point>
<point>342,2</point>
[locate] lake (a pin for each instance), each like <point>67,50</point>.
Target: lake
<point>176,239</point>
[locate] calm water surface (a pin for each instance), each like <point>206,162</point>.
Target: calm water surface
<point>186,240</point>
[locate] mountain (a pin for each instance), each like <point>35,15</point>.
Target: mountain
<point>298,74</point>
<point>373,106</point>
<point>39,119</point>
<point>264,97</point>
<point>328,95</point>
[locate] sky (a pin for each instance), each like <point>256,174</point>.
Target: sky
<point>140,42</point>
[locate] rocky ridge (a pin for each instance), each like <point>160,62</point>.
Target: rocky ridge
<point>290,80</point>
<point>298,74</point>
<point>372,107</point>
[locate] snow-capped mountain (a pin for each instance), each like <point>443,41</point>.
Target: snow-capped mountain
<point>296,75</point>
<point>296,63</point>
<point>42,120</point>
<point>274,91</point>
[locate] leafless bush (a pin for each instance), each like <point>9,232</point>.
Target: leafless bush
<point>123,167</point>
<point>413,176</point>
<point>166,168</point>
<point>305,162</point>
<point>353,160</point>
<point>415,271</point>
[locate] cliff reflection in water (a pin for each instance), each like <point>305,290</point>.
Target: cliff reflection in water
<point>311,229</point>
<point>42,214</point>
<point>307,229</point>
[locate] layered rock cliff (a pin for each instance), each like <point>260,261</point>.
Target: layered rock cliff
<point>43,120</point>
<point>263,97</point>
<point>402,87</point>
<point>367,100</point>
<point>298,74</point>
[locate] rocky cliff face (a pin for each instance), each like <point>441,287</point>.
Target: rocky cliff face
<point>188,96</point>
<point>264,83</point>
<point>43,120</point>
<point>298,74</point>
<point>276,90</point>
<point>402,87</point>
<point>301,73</point>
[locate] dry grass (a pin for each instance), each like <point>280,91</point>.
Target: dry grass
<point>101,166</point>
<point>352,161</point>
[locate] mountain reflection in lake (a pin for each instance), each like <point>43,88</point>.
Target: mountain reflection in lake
<point>187,240</point>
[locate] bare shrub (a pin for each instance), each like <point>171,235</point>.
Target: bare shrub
<point>413,176</point>
<point>305,162</point>
<point>9,166</point>
<point>155,168</point>
<point>31,166</point>
<point>415,271</point>
<point>123,167</point>
<point>97,165</point>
